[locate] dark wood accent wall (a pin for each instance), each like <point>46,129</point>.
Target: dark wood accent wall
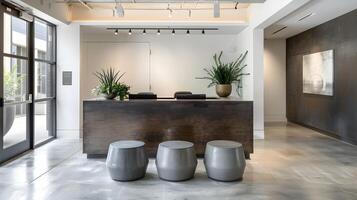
<point>336,115</point>
<point>155,121</point>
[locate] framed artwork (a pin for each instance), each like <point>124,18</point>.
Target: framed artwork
<point>318,71</point>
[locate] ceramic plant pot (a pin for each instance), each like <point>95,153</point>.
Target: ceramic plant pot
<point>223,90</point>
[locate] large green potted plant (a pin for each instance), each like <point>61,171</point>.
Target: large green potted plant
<point>12,83</point>
<point>109,84</point>
<point>223,75</point>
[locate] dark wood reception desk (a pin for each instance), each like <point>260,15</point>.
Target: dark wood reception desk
<point>154,121</point>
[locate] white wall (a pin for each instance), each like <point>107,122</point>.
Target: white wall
<point>175,61</point>
<point>275,80</point>
<point>68,101</point>
<point>252,39</point>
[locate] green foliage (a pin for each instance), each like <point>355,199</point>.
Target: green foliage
<point>122,90</point>
<point>12,84</point>
<point>226,73</point>
<point>109,84</point>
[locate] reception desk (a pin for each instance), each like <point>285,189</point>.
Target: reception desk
<point>154,121</point>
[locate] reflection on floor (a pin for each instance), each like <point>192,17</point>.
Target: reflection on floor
<point>17,133</point>
<point>291,163</point>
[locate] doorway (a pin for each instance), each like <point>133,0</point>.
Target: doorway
<point>27,83</point>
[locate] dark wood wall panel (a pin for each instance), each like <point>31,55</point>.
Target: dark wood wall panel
<point>335,115</point>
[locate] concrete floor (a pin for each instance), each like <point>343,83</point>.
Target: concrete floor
<point>17,133</point>
<point>291,163</point>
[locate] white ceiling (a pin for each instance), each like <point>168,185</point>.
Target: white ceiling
<point>321,10</point>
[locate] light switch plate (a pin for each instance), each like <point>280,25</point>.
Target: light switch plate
<point>66,78</point>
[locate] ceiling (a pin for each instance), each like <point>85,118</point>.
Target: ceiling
<point>158,10</point>
<point>314,13</point>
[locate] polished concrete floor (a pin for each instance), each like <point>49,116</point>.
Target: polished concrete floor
<point>291,163</point>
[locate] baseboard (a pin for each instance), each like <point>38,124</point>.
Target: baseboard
<point>258,134</point>
<point>327,133</point>
<point>68,134</point>
<point>275,118</point>
<point>275,123</point>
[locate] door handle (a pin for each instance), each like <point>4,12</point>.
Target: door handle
<point>30,98</point>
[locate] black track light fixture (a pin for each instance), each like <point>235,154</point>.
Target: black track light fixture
<point>203,31</point>
<point>116,32</point>
<point>144,31</point>
<point>158,32</point>
<point>173,32</point>
<point>188,32</point>
<point>129,33</point>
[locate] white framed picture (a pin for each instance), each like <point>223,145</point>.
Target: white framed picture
<point>318,71</point>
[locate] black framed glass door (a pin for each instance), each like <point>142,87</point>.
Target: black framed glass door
<point>15,79</point>
<point>44,81</point>
<point>27,66</point>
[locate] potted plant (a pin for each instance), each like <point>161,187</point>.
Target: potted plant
<point>223,75</point>
<point>109,86</point>
<point>12,84</point>
<point>122,90</point>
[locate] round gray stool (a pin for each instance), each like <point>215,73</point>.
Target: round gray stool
<point>224,160</point>
<point>176,160</point>
<point>127,160</point>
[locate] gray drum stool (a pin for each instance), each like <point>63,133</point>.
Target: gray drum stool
<point>224,160</point>
<point>176,160</point>
<point>127,160</point>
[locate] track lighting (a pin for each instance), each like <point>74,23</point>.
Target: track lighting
<point>173,30</point>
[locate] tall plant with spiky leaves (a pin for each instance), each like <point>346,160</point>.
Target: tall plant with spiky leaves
<point>226,73</point>
<point>109,81</point>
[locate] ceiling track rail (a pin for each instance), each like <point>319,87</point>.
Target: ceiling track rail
<point>164,28</point>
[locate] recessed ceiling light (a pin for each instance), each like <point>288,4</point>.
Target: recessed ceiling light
<point>277,31</point>
<point>306,16</point>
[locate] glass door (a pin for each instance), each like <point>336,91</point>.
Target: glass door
<point>44,81</point>
<point>15,90</point>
